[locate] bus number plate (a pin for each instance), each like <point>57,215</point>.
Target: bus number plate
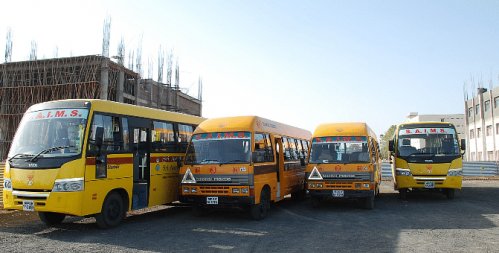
<point>212,200</point>
<point>29,205</point>
<point>429,184</point>
<point>338,193</point>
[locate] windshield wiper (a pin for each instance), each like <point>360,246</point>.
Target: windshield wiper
<point>234,161</point>
<point>20,155</point>
<point>48,150</point>
<point>209,161</point>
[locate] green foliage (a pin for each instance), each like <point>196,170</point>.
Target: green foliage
<point>385,154</point>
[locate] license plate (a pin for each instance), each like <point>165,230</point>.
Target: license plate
<point>429,184</point>
<point>29,205</point>
<point>212,200</point>
<point>338,193</point>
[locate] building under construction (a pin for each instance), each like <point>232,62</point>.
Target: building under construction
<point>23,84</point>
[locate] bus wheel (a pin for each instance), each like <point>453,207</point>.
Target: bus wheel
<point>298,195</point>
<point>450,193</point>
<point>316,202</point>
<point>199,211</point>
<point>369,202</point>
<point>50,218</point>
<point>403,194</point>
<point>113,211</point>
<point>261,210</point>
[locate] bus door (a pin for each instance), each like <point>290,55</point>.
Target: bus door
<point>279,165</point>
<point>140,130</point>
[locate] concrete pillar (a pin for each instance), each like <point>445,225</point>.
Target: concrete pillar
<point>121,86</point>
<point>104,78</point>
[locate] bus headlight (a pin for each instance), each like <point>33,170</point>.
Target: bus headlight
<point>69,185</point>
<point>7,184</point>
<point>235,190</point>
<point>186,189</point>
<point>455,172</point>
<point>244,190</point>
<point>403,172</point>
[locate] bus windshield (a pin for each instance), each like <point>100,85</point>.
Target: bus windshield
<point>50,133</point>
<point>339,149</point>
<point>427,143</point>
<point>219,148</point>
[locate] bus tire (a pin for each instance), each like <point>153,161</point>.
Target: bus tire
<point>369,202</point>
<point>449,193</point>
<point>403,194</point>
<point>298,195</point>
<point>113,211</point>
<point>50,218</point>
<point>316,202</point>
<point>261,210</point>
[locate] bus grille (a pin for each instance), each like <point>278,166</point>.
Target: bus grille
<point>214,189</point>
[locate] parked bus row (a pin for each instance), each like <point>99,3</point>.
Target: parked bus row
<point>101,158</point>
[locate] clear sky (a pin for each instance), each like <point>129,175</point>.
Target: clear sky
<point>297,62</point>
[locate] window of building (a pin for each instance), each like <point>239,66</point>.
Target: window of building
<point>490,155</point>
<point>487,105</point>
<point>497,128</point>
<point>488,130</point>
<point>478,132</point>
<point>472,134</point>
<point>470,112</point>
<point>496,102</point>
<point>479,157</point>
<point>477,109</point>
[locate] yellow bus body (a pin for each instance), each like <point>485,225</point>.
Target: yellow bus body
<point>280,177</point>
<point>37,184</point>
<point>425,173</point>
<point>344,179</point>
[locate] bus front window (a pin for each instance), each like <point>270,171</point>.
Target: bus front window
<point>428,143</point>
<point>219,148</point>
<point>339,150</point>
<point>50,133</point>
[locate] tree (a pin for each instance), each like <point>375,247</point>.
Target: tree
<point>385,154</point>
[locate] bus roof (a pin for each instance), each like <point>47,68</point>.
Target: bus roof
<point>344,129</point>
<point>251,123</point>
<point>121,108</point>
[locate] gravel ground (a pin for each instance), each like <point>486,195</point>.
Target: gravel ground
<point>426,222</point>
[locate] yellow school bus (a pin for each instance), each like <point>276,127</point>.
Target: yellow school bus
<point>94,158</point>
<point>246,162</point>
<point>344,162</point>
<point>426,155</point>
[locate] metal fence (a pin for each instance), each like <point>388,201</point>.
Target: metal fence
<point>470,169</point>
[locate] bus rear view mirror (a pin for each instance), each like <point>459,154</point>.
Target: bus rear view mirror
<point>463,144</point>
<point>390,145</point>
<point>99,136</point>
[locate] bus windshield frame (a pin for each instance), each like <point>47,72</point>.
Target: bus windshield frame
<point>425,143</point>
<point>219,148</point>
<point>50,133</point>
<point>340,149</point>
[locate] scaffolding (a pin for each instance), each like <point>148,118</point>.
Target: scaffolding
<point>23,84</point>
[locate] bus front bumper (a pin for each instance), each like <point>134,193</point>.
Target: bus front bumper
<point>58,202</point>
<point>428,182</point>
<point>218,201</point>
<point>347,194</point>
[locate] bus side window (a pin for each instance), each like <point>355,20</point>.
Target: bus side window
<point>184,136</point>
<point>163,137</point>
<point>125,134</point>
<point>263,148</point>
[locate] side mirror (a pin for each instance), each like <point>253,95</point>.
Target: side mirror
<point>391,146</point>
<point>463,144</point>
<point>99,137</point>
<point>302,161</point>
<point>179,162</point>
<point>254,157</point>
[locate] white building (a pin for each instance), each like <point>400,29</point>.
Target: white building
<point>456,119</point>
<point>482,125</point>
